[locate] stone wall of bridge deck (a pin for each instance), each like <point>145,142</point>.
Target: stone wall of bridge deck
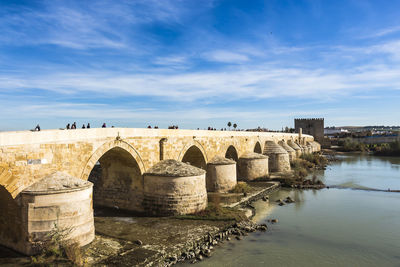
<point>26,157</point>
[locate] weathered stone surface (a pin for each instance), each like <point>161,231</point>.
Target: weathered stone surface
<point>175,195</point>
<point>296,147</point>
<point>289,150</point>
<point>315,146</point>
<point>253,166</point>
<point>253,155</point>
<point>59,202</point>
<point>58,181</point>
<point>278,157</point>
<point>77,151</point>
<point>174,168</point>
<point>218,160</point>
<point>221,175</point>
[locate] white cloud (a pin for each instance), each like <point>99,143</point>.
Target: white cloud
<point>382,32</point>
<point>98,24</point>
<point>226,56</point>
<point>256,82</point>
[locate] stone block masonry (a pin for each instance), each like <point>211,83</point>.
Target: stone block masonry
<point>115,160</point>
<point>26,157</point>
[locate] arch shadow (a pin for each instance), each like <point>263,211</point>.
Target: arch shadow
<point>195,157</point>
<point>11,226</point>
<point>115,170</point>
<point>231,153</point>
<point>257,148</point>
<point>106,147</point>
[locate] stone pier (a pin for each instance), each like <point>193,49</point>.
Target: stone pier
<point>115,161</point>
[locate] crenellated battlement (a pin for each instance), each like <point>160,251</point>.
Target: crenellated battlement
<point>310,119</point>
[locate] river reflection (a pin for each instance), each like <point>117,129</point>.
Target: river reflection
<point>329,227</point>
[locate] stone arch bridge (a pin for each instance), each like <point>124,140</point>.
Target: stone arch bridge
<point>26,157</point>
<point>114,159</point>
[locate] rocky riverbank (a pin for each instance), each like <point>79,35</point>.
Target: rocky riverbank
<point>169,240</point>
<point>124,240</point>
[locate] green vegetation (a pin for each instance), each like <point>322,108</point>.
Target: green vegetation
<point>385,149</point>
<point>301,167</point>
<point>390,149</point>
<point>213,213</point>
<point>315,158</point>
<point>349,145</point>
<point>241,187</point>
<point>56,249</point>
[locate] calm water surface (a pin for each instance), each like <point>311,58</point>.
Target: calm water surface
<point>330,227</point>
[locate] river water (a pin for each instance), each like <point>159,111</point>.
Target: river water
<point>347,226</point>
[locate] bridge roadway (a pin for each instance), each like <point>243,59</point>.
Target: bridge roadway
<point>26,156</point>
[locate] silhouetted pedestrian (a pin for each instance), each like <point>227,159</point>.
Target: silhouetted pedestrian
<point>37,128</point>
<point>68,126</point>
<point>104,125</point>
<point>88,126</point>
<point>83,126</point>
<point>73,125</point>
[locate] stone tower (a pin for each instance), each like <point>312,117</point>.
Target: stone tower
<point>314,127</point>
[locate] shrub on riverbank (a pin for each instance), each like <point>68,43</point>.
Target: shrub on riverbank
<point>215,212</point>
<point>241,187</point>
<point>301,167</point>
<point>349,145</point>
<point>390,149</point>
<point>57,249</point>
<point>315,158</point>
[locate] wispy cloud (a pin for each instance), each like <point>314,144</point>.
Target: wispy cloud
<point>255,81</point>
<point>382,32</point>
<point>94,25</point>
<point>199,55</point>
<point>226,56</point>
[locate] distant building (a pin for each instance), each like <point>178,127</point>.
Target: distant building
<point>314,127</point>
<point>334,131</point>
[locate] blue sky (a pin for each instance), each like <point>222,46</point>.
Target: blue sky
<point>199,63</point>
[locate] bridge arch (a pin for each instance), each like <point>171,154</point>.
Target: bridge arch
<point>231,153</point>
<point>102,150</point>
<point>257,148</point>
<point>194,154</point>
<point>116,171</point>
<point>10,220</point>
<point>5,177</point>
